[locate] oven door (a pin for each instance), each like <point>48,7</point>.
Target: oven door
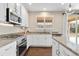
<point>22,48</point>
<point>22,45</point>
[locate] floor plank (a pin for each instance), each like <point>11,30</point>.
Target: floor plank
<point>39,51</point>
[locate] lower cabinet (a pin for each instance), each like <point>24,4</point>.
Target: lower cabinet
<point>65,52</point>
<point>55,48</point>
<point>60,50</point>
<point>39,40</point>
<point>8,50</point>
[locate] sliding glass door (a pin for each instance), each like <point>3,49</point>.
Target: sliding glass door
<point>78,31</point>
<point>73,28</point>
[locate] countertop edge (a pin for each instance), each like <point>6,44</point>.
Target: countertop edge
<point>67,47</point>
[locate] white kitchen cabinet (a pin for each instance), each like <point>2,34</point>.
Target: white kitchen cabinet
<point>43,40</point>
<point>8,50</point>
<point>18,9</point>
<point>2,12</point>
<point>28,41</point>
<point>65,52</point>
<point>12,7</point>
<point>59,50</point>
<point>24,16</point>
<point>55,48</point>
<point>48,39</point>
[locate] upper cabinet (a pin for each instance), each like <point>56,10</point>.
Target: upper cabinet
<point>3,12</point>
<point>44,20</point>
<point>17,9</point>
<point>24,16</point>
<point>12,7</point>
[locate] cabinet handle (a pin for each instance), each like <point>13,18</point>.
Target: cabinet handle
<point>57,52</point>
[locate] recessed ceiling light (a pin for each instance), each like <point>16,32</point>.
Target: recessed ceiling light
<point>44,9</point>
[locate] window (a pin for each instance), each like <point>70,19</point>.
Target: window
<point>73,26</point>
<point>78,32</point>
<point>72,30</point>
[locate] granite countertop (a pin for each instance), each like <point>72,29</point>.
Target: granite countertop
<point>68,45</point>
<point>8,38</point>
<point>4,41</point>
<point>37,32</point>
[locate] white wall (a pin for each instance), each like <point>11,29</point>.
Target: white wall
<point>57,20</point>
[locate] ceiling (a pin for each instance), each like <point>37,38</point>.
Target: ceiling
<point>50,6</point>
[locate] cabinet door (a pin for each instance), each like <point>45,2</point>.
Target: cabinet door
<point>11,50</point>
<point>24,16</point>
<point>39,40</point>
<point>35,40</point>
<point>8,50</point>
<point>29,39</point>
<point>55,48</point>
<point>65,52</point>
<point>48,39</point>
<point>2,51</point>
<point>18,9</point>
<point>12,7</point>
<point>45,40</point>
<point>2,12</point>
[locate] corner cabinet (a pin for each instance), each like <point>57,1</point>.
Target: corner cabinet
<point>3,12</point>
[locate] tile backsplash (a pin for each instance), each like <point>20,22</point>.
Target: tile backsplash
<point>8,30</point>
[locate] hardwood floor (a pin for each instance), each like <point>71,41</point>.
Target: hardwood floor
<point>39,51</point>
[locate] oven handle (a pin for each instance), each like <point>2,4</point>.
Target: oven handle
<point>22,44</point>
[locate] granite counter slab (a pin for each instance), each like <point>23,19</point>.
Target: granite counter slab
<point>5,41</point>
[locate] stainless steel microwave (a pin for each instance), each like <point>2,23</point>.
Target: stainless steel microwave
<point>12,17</point>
